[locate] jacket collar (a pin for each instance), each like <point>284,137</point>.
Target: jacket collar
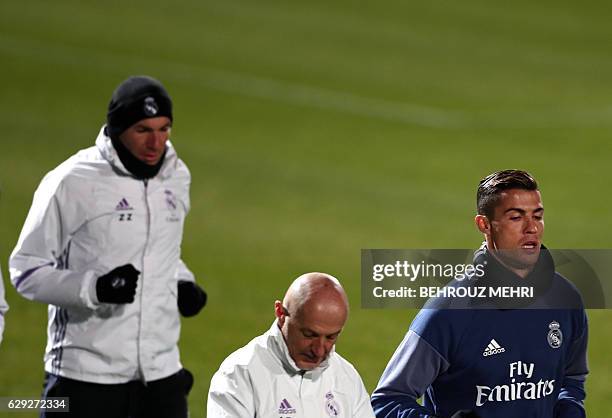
<point>496,274</point>
<point>105,146</point>
<point>544,268</point>
<point>278,346</point>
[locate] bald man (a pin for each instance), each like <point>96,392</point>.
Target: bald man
<point>292,371</point>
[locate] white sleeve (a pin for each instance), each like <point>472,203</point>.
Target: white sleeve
<point>183,272</point>
<point>230,395</point>
<point>37,264</point>
<point>362,407</point>
<point>3,306</point>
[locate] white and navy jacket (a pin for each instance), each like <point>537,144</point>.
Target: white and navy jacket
<point>3,306</point>
<point>262,380</point>
<point>88,216</point>
<point>514,361</point>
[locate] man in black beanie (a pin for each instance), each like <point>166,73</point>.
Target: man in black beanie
<point>101,245</point>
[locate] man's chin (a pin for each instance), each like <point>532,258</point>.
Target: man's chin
<point>522,258</point>
<point>150,161</point>
<point>308,364</point>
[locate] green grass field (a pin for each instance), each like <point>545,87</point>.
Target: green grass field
<point>313,130</point>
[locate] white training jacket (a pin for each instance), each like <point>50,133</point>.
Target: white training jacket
<point>261,380</point>
<point>88,216</point>
<point>3,306</point>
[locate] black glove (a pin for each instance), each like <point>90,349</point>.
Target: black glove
<point>191,298</point>
<point>118,285</point>
<point>465,413</point>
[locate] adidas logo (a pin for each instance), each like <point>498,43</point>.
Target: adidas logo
<point>285,408</point>
<point>123,205</point>
<point>493,348</point>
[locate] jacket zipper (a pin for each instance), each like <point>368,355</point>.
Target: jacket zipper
<point>142,275</point>
<point>302,372</point>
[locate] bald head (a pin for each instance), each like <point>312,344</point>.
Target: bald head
<point>311,316</point>
<point>316,291</point>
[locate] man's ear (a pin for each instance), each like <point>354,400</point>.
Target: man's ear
<point>483,224</point>
<point>279,312</point>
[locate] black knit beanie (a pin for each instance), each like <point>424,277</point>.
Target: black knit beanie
<point>137,98</point>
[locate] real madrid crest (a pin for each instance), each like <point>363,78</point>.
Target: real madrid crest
<point>331,406</point>
<point>150,107</point>
<point>171,204</point>
<point>555,336</point>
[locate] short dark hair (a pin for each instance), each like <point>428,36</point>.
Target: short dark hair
<point>490,188</point>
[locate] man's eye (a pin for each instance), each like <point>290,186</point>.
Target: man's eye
<point>515,218</point>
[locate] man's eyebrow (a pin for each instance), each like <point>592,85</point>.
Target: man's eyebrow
<point>304,330</point>
<point>523,211</point>
<point>143,126</point>
<point>519,210</point>
<point>308,331</point>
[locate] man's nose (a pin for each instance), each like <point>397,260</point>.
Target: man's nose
<point>155,139</point>
<point>532,226</point>
<point>318,347</point>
